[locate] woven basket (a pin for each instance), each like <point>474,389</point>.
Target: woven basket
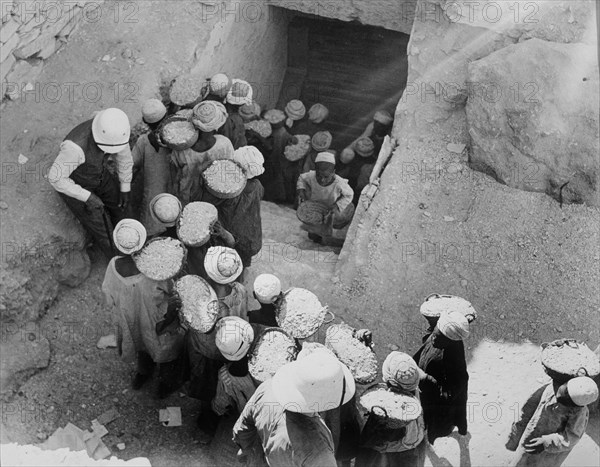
<point>262,127</point>
<point>435,304</point>
<point>263,362</point>
<point>296,152</point>
<point>154,271</point>
<point>203,224</point>
<point>312,212</point>
<point>202,314</point>
<point>360,359</point>
<point>227,171</point>
<point>566,358</point>
<point>178,143</point>
<point>188,90</point>
<point>300,313</point>
<point>392,409</point>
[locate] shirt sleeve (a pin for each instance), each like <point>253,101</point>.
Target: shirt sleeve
<point>302,183</point>
<point>137,154</point>
<point>124,162</point>
<point>570,436</point>
<point>245,433</point>
<point>222,400</point>
<point>346,195</point>
<point>69,158</point>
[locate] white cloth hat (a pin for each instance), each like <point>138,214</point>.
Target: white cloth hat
<point>223,265</point>
<point>583,390</point>
<point>111,130</point>
<point>153,111</point>
<point>129,236</point>
<point>251,160</point>
<point>453,325</point>
<point>233,337</point>
<point>220,84</point>
<point>267,287</point>
<point>383,117</point>
<point>401,371</point>
<point>317,113</point>
<point>240,92</point>
<point>295,110</point>
<point>165,209</point>
<point>312,384</point>
<point>325,157</point>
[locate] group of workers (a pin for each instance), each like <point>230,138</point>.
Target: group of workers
<point>306,414</point>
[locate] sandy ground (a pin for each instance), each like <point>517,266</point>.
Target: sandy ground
<point>82,381</point>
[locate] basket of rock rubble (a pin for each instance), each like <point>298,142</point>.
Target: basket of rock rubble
<point>295,152</point>
<point>195,223</point>
<point>262,127</point>
<point>270,351</point>
<point>312,212</point>
<point>161,258</point>
<point>392,409</point>
<point>435,304</point>
<point>360,359</point>
<point>185,113</point>
<point>300,313</point>
<point>224,179</point>
<point>563,359</point>
<point>188,90</point>
<point>178,133</point>
<point>199,303</point>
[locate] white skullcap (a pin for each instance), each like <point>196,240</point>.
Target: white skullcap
<point>267,287</point>
<point>325,157</point>
<point>153,111</point>
<point>582,390</point>
<point>251,160</point>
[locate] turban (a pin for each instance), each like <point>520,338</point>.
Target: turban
<point>240,92</point>
<point>400,371</point>
<point>209,116</point>
<point>295,109</point>
<point>274,116</point>
<point>321,141</point>
<point>129,236</point>
<point>325,157</point>
<point>249,111</point>
<point>165,209</point>
<point>582,390</point>
<point>251,160</point>
<point>317,113</point>
<point>347,155</point>
<point>453,325</point>
<point>267,287</point>
<point>220,84</point>
<point>383,117</point>
<point>223,265</point>
<point>364,147</point>
<point>153,111</point>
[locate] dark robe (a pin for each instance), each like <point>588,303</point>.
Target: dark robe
<point>449,367</point>
<point>265,315</point>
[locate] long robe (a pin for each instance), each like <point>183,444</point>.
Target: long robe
<point>139,303</point>
<point>241,217</point>
<point>449,367</point>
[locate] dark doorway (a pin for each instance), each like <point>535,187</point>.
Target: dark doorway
<point>352,69</point>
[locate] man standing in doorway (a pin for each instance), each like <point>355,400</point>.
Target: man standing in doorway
<point>81,177</point>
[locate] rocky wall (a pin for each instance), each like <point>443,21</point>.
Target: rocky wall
<point>436,225</point>
<point>31,32</point>
<point>396,15</point>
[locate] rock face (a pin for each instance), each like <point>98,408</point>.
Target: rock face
<point>24,351</point>
<point>533,118</point>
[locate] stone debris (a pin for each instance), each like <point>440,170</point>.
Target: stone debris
<point>448,219</point>
<point>456,148</point>
<point>3,205</point>
<point>22,159</point>
<point>171,416</point>
<point>107,341</point>
<point>106,58</point>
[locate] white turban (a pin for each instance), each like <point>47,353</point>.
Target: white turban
<point>400,371</point>
<point>240,92</point>
<point>153,111</point>
<point>453,325</point>
<point>251,160</point>
<point>223,265</point>
<point>129,236</point>
<point>209,116</point>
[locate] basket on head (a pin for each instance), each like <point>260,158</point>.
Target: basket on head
<point>435,304</point>
<point>360,359</point>
<point>312,212</point>
<point>196,222</point>
<point>199,303</point>
<point>394,409</point>
<point>178,133</point>
<point>295,152</point>
<point>262,127</point>
<point>188,90</point>
<point>566,358</point>
<point>162,258</point>
<point>272,349</point>
<point>300,313</point>
<point>224,179</point>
